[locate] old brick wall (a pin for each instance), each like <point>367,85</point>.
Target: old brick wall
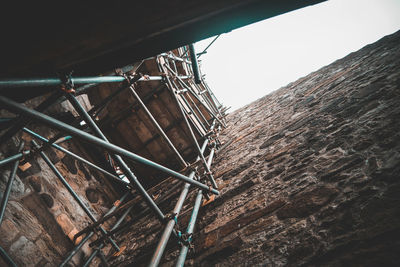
<point>311,176</point>
<point>41,216</point>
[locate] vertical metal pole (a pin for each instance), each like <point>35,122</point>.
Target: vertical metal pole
<point>155,260</point>
<point>160,130</point>
<point>184,249</point>
<point>195,64</point>
<point>72,192</point>
<point>129,174</point>
<point>7,192</point>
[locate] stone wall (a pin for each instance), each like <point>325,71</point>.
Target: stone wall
<point>310,177</point>
<point>41,216</point>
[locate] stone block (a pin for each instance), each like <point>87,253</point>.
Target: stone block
<point>17,189</point>
<point>25,252</point>
<point>8,231</point>
<point>65,223</point>
<point>306,203</point>
<point>246,218</point>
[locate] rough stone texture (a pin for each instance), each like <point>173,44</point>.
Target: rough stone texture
<point>41,216</point>
<point>311,177</point>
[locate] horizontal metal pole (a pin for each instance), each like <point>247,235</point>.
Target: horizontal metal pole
<point>176,58</point>
<point>112,213</point>
<point>56,81</point>
<point>35,82</point>
<point>159,78</point>
<point>208,46</point>
<point>20,109</point>
<point>13,158</point>
<point>114,177</point>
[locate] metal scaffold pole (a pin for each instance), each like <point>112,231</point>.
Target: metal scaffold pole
<point>71,191</point>
<point>20,109</point>
<point>185,99</point>
<point>192,222</point>
<point>172,222</point>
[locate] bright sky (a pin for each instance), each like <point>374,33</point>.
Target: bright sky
<point>250,62</point>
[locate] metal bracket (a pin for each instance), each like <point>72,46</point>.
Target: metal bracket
<point>67,84</point>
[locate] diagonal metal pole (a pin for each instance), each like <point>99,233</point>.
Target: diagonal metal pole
<point>20,109</point>
<point>191,111</point>
<point>7,192</point>
<point>21,121</point>
<point>99,107</point>
<point>117,223</point>
<point>14,157</point>
<point>155,260</point>
<point>210,176</point>
<point>189,231</point>
<point>7,258</point>
<point>106,217</point>
<point>198,110</point>
<point>114,177</point>
<point>75,249</point>
<point>160,130</point>
<point>190,90</point>
<point>71,191</point>
<point>184,249</point>
<point>129,174</point>
<point>103,259</point>
<point>89,235</point>
<point>208,46</point>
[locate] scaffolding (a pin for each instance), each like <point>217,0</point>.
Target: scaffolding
<point>179,73</point>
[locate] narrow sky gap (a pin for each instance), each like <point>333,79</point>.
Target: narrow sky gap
<point>250,62</point>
